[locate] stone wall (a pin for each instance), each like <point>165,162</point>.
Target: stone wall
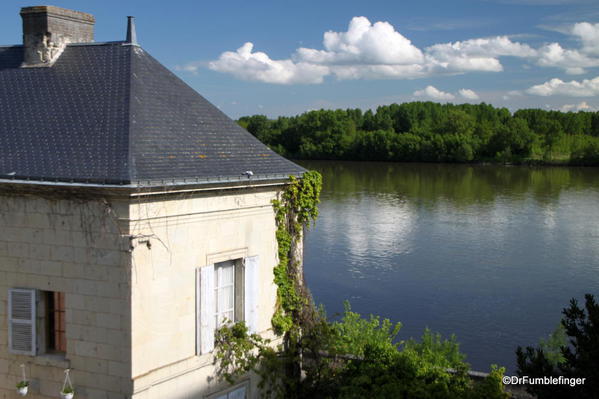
<point>186,232</point>
<point>75,247</point>
<point>128,271</point>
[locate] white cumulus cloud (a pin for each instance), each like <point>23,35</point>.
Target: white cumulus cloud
<point>370,51</point>
<point>258,66</point>
<point>573,62</point>
<point>476,54</point>
<point>192,67</point>
<point>364,43</point>
<point>582,106</point>
<point>573,88</point>
<point>589,35</point>
<point>378,50</point>
<point>468,94</point>
<point>379,71</point>
<point>366,51</point>
<point>434,93</point>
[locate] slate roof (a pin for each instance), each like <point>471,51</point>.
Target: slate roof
<point>110,114</point>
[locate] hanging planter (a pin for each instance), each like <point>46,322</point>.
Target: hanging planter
<point>67,391</point>
<point>23,385</point>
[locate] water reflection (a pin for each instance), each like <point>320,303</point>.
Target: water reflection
<point>490,253</point>
<point>461,184</point>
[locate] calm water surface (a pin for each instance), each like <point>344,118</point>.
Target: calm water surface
<point>489,253</point>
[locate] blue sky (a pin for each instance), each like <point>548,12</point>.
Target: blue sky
<point>283,58</point>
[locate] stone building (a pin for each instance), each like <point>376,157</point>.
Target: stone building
<point>134,218</point>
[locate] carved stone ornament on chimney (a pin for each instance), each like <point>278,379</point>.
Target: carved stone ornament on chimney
<point>47,30</point>
<point>49,50</point>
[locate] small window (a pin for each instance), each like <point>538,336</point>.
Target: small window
<point>37,322</point>
<point>236,393</point>
<point>55,323</point>
<point>225,291</point>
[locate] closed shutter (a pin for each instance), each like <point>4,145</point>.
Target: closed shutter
<point>21,318</point>
<point>207,309</point>
<point>252,292</point>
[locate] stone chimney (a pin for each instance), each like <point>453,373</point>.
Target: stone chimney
<point>48,29</point>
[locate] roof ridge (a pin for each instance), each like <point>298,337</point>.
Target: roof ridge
<point>83,44</point>
<point>131,167</point>
<point>78,44</point>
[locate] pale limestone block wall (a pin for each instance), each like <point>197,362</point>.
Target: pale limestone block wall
<point>185,232</point>
<point>75,247</point>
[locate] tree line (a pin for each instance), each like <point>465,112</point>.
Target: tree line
<point>433,132</point>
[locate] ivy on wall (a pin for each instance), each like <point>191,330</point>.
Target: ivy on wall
<point>238,351</point>
<point>297,207</point>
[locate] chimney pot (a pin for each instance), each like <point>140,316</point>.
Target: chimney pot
<point>131,32</point>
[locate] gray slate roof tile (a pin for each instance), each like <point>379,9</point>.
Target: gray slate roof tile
<point>111,114</point>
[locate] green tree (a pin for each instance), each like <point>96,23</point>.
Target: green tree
<point>437,133</point>
<point>587,153</point>
<point>258,125</point>
<point>456,121</point>
<point>513,139</point>
<point>551,132</point>
<point>580,355</point>
<point>552,346</point>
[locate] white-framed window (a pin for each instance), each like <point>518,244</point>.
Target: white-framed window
<point>225,287</point>
<point>226,291</point>
<point>238,392</point>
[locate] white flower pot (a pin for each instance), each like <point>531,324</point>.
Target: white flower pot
<point>23,391</point>
<point>67,395</point>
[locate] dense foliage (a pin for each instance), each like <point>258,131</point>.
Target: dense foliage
<point>576,357</point>
<point>355,358</point>
<point>380,366</point>
<point>432,132</point>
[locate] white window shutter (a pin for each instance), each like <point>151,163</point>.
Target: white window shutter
<point>207,308</point>
<point>252,292</point>
<point>198,311</point>
<point>21,320</point>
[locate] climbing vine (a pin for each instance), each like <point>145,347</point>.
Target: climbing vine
<point>238,351</point>
<point>297,207</point>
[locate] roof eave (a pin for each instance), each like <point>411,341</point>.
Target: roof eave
<point>148,187</point>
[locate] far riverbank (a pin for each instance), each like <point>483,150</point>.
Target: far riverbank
<point>432,132</point>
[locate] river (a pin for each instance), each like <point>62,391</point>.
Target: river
<point>491,254</point>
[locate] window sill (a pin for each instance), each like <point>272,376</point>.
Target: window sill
<point>52,359</point>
